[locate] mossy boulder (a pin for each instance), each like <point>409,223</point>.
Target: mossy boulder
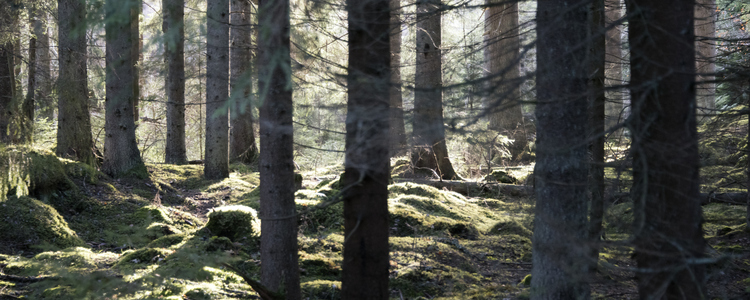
<point>510,227</point>
<point>501,176</point>
<point>235,222</point>
<point>29,223</point>
<point>143,256</point>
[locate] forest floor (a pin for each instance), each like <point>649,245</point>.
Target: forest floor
<point>82,235</point>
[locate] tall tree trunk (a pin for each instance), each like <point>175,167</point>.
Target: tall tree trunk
<point>27,108</point>
<point>280,268</point>
<point>667,227</point>
<point>135,52</point>
<point>121,154</point>
<point>366,174</point>
<point>705,47</point>
<point>596,135</point>
<point>397,126</point>
<point>217,90</point>
<point>174,38</point>
<point>6,90</point>
<point>43,75</point>
<point>613,65</point>
<point>430,150</point>
<point>73,118</point>
<point>561,244</point>
<point>503,59</point>
<point>242,138</point>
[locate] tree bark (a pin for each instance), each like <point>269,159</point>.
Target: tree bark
<point>613,65</point>
<point>216,164</point>
<point>242,139</point>
<point>43,75</point>
<point>667,227</point>
<point>74,139</point>
<point>503,59</point>
<point>174,39</point>
<point>397,126</point>
<point>6,90</point>
<point>596,137</point>
<point>560,244</point>
<point>430,150</point>
<point>27,107</point>
<point>135,52</point>
<point>367,163</point>
<point>705,47</point>
<point>280,268</point>
<point>121,154</point>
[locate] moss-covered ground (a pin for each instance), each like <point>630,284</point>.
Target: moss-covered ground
<point>69,232</point>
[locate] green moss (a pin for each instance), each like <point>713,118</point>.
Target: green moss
<point>501,176</point>
<point>619,218</point>
<point>157,230</point>
<point>511,227</point>
<point>321,289</point>
<point>400,166</point>
<point>27,222</point>
<point>142,257</point>
<point>167,241</point>
<point>236,222</point>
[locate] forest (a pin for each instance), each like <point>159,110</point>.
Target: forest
<point>374,149</point>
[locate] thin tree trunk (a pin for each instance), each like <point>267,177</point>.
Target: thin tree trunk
<point>135,52</point>
<point>667,227</point>
<point>73,118</point>
<point>561,247</point>
<point>121,154</point>
<point>431,151</point>
<point>43,75</point>
<point>397,126</point>
<point>217,90</point>
<point>280,268</point>
<point>242,138</point>
<point>174,38</point>
<point>366,174</point>
<point>28,103</point>
<point>6,90</point>
<point>503,89</point>
<point>613,65</point>
<point>596,135</point>
<point>705,47</point>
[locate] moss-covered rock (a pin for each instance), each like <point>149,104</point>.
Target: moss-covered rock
<point>235,222</point>
<point>501,176</point>
<point>510,227</point>
<point>143,256</point>
<point>321,289</point>
<point>28,223</point>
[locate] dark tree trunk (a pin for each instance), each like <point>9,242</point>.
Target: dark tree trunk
<point>561,243</point>
<point>217,90</point>
<point>121,154</point>
<point>174,39</point>
<point>242,139</point>
<point>613,65</point>
<point>430,150</point>
<point>503,87</point>
<point>280,267</point>
<point>73,118</point>
<point>6,90</point>
<point>667,227</point>
<point>44,80</point>
<point>366,174</point>
<point>596,135</point>
<point>397,126</point>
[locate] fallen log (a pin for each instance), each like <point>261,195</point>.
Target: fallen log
<point>706,198</point>
<point>468,187</point>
